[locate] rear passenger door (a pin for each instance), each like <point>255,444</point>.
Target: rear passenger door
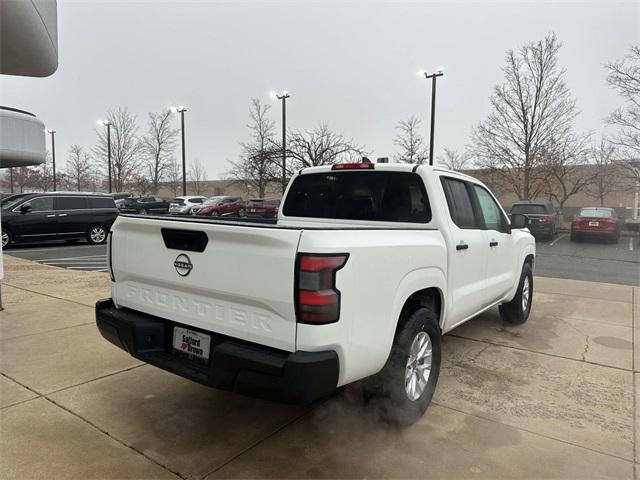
<point>500,264</point>
<point>72,216</point>
<point>468,251</point>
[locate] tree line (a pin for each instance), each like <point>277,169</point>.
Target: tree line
<point>527,145</point>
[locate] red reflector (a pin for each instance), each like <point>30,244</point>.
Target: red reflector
<point>317,298</point>
<point>314,264</point>
<point>352,166</point>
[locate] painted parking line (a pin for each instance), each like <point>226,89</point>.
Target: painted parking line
<point>631,244</point>
<point>57,259</point>
<point>559,237</point>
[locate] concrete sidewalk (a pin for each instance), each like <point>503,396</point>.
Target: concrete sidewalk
<point>554,398</point>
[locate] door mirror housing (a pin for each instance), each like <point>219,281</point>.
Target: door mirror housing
<point>518,220</point>
<point>25,208</point>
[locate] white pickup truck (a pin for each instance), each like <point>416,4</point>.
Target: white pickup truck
<point>364,270</point>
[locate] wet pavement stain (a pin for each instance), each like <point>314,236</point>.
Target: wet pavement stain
<point>613,342</point>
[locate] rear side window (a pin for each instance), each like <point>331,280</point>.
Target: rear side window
<point>70,203</point>
<point>41,204</point>
<point>459,203</point>
<point>493,218</point>
<point>374,196</point>
<point>196,200</point>
<point>532,209</point>
<point>100,202</point>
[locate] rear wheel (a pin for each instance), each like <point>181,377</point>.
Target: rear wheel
<point>575,237</point>
<point>517,310</point>
<point>6,238</point>
<point>241,212</point>
<point>215,213</point>
<point>408,380</point>
<point>97,234</point>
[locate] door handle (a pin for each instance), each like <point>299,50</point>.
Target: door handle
<point>462,246</point>
<point>62,215</point>
<point>493,243</point>
<point>49,216</point>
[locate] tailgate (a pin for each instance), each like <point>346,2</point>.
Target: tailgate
<point>240,285</point>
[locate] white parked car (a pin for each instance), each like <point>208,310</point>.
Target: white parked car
<point>364,271</point>
<point>184,205</point>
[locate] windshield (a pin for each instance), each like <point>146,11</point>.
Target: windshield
<point>213,201</point>
<point>595,212</point>
<point>12,200</point>
<point>534,209</point>
<point>374,196</point>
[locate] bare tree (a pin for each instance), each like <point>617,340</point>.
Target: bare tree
<point>23,179</point>
<point>173,176</point>
<point>413,148</point>
<point>142,185</point>
<point>624,76</point>
<point>566,164</point>
<point>606,175</point>
<point>78,166</point>
<point>530,111</point>
<point>158,146</point>
<point>257,165</point>
<point>197,177</point>
<point>454,160</point>
<point>321,146</point>
<point>125,147</point>
<point>42,175</point>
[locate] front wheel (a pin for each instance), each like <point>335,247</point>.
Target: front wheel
<point>517,310</point>
<point>97,235</point>
<point>408,379</point>
<point>6,238</point>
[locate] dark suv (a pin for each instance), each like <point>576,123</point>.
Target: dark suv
<point>144,205</point>
<point>30,217</point>
<point>543,218</point>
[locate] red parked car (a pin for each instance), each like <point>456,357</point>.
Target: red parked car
<point>260,207</point>
<point>219,206</point>
<point>596,222</point>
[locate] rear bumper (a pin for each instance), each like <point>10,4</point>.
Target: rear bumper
<point>234,365</point>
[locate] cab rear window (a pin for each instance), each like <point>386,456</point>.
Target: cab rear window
<point>353,195</point>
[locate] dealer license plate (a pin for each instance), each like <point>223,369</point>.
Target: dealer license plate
<point>594,224</point>
<point>191,345</point>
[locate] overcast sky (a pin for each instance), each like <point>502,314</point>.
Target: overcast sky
<point>350,64</point>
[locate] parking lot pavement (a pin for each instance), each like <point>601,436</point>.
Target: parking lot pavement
<point>553,398</point>
<point>595,261</point>
<point>74,256</point>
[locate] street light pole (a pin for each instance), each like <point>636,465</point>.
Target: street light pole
<point>433,77</point>
<point>108,124</point>
<point>284,97</point>
<point>53,156</point>
<point>184,161</point>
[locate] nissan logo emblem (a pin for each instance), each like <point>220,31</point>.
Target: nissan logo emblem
<point>183,265</point>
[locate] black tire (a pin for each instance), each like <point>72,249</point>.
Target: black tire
<point>516,312</point>
<point>574,237</point>
<point>390,384</point>
<point>215,213</point>
<point>241,212</point>
<point>97,234</point>
<point>7,238</point>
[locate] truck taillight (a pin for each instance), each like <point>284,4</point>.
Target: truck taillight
<point>109,265</point>
<point>317,299</point>
<point>545,218</point>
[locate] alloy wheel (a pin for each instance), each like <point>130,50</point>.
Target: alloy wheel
<point>98,234</point>
<point>418,367</point>
<point>526,292</point>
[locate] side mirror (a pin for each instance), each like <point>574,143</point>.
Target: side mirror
<point>26,208</point>
<point>519,220</point>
